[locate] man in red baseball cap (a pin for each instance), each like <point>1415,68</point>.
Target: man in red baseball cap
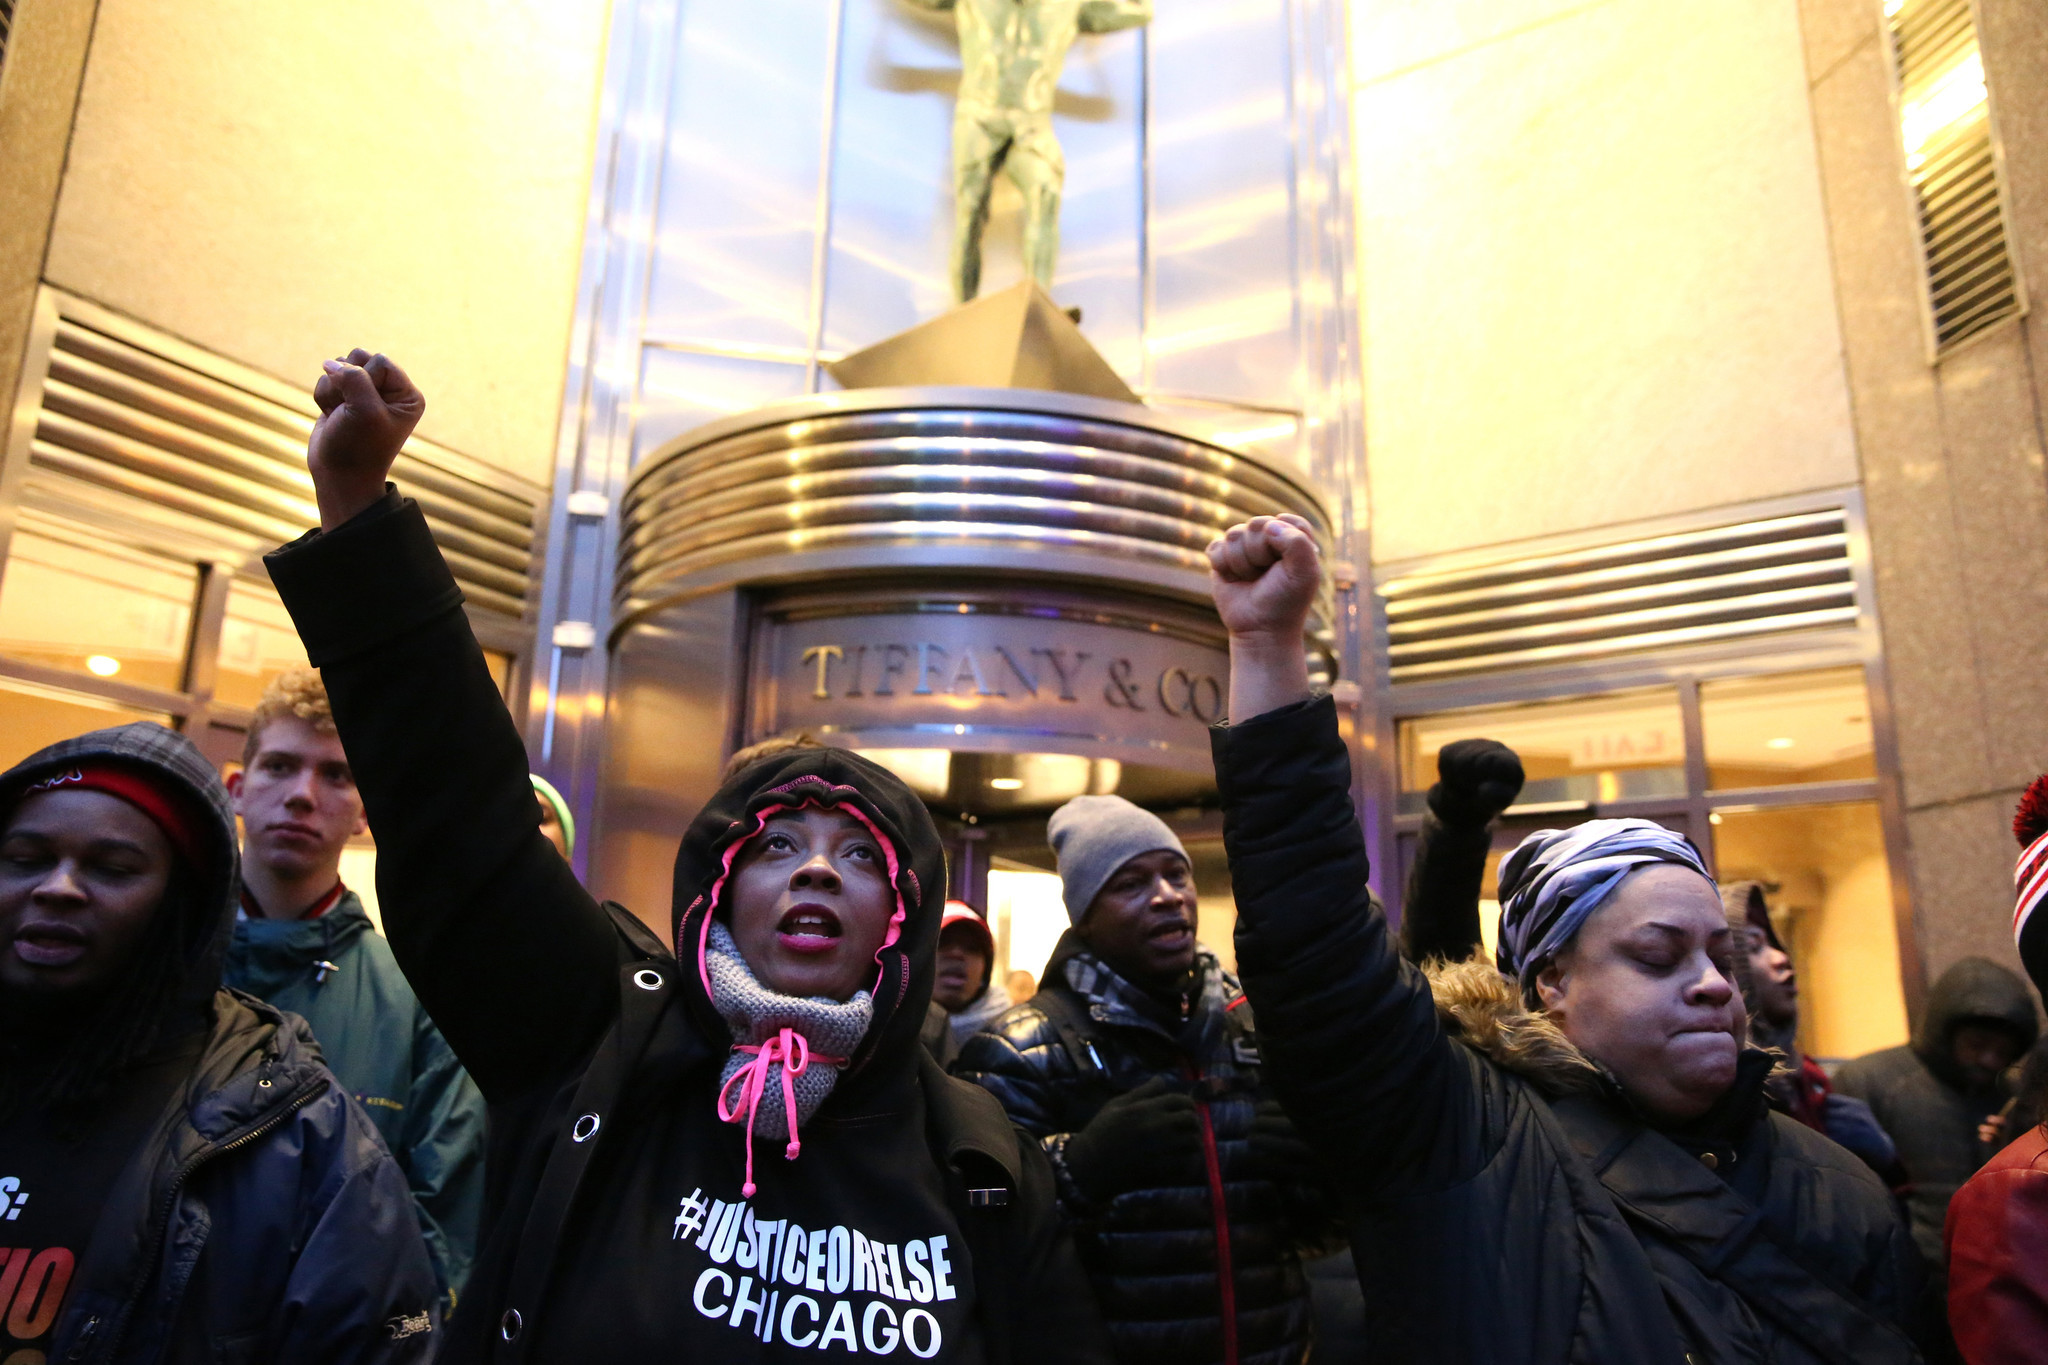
<point>965,996</point>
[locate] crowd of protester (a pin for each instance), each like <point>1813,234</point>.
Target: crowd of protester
<point>238,1124</point>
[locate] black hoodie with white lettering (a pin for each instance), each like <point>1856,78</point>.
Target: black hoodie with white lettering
<point>904,1217</point>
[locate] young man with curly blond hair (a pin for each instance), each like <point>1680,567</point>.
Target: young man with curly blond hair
<point>304,943</point>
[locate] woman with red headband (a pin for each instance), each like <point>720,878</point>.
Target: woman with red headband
<point>726,1146</point>
<point>180,1176</point>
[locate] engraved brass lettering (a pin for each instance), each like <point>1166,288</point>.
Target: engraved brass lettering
<point>1120,690</point>
<point>1185,685</point>
<point>1030,680</point>
<point>894,657</point>
<point>824,654</point>
<point>925,667</point>
<point>1058,659</point>
<point>969,670</point>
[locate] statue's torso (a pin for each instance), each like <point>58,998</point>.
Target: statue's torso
<point>1011,51</point>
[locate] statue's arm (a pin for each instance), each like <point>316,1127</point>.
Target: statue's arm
<point>1107,16</point>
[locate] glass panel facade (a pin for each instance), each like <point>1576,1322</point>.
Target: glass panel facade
<point>88,606</point>
<point>33,718</point>
<point>1787,727</point>
<point>1621,746</point>
<point>257,642</point>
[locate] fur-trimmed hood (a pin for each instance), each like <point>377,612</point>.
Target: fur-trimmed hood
<point>1482,1009</point>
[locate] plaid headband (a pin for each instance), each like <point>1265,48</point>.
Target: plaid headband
<point>1556,878</point>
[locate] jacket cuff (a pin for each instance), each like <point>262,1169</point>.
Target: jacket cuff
<point>1065,1187</point>
<point>1265,751</point>
<point>370,580</point>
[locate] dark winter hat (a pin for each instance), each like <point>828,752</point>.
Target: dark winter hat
<point>1747,909</point>
<point>1093,836</point>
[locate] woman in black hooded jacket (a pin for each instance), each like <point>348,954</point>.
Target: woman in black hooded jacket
<point>630,1214</point>
<point>1574,1166</point>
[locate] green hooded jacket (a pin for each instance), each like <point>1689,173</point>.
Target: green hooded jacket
<point>384,1048</point>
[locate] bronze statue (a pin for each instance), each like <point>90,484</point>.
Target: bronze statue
<point>1011,52</point>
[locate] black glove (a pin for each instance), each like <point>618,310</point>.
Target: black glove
<point>1149,1136</point>
<point>1480,778</point>
<point>1277,1148</point>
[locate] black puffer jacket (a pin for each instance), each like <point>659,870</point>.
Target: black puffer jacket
<point>1153,1254</point>
<point>1922,1099</point>
<point>618,1222</point>
<point>1506,1204</point>
<point>263,1220</point>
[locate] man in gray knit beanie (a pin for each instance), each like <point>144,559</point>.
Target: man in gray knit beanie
<point>1137,1066</point>
<point>1093,836</point>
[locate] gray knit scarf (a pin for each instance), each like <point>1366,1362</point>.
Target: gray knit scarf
<point>769,1032</point>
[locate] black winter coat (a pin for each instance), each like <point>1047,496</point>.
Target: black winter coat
<point>1923,1100</point>
<point>262,1219</point>
<point>600,1054</point>
<point>266,1223</point>
<point>1169,1262</point>
<point>1506,1204</point>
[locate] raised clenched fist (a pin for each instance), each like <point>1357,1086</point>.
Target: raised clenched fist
<point>1480,778</point>
<point>1264,574</point>
<point>367,410</point>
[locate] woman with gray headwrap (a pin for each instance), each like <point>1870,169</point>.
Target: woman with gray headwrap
<point>1562,1155</point>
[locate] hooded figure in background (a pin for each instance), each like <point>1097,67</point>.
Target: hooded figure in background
<point>1931,1094</point>
<point>182,1177</point>
<point>1997,1233</point>
<point>965,996</point>
<point>720,1143</point>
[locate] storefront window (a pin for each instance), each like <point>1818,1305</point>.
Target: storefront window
<point>33,718</point>
<point>257,642</point>
<point>1027,916</point>
<point>1621,746</point>
<point>97,608</point>
<point>1828,883</point>
<point>1785,728</point>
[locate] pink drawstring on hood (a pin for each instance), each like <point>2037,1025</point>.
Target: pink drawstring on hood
<point>793,1051</point>
<point>787,1052</point>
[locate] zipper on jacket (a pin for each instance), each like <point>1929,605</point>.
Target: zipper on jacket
<point>162,1222</point>
<point>1226,1284</point>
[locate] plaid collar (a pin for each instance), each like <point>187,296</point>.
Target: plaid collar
<point>1114,1000</point>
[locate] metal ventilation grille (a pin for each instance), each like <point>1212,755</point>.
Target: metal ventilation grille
<point>1728,582</point>
<point>123,418</point>
<point>1945,120</point>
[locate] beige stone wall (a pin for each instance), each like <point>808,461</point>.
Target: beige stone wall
<point>279,181</point>
<point>1594,266</point>
<point>1953,472</point>
<point>39,81</point>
